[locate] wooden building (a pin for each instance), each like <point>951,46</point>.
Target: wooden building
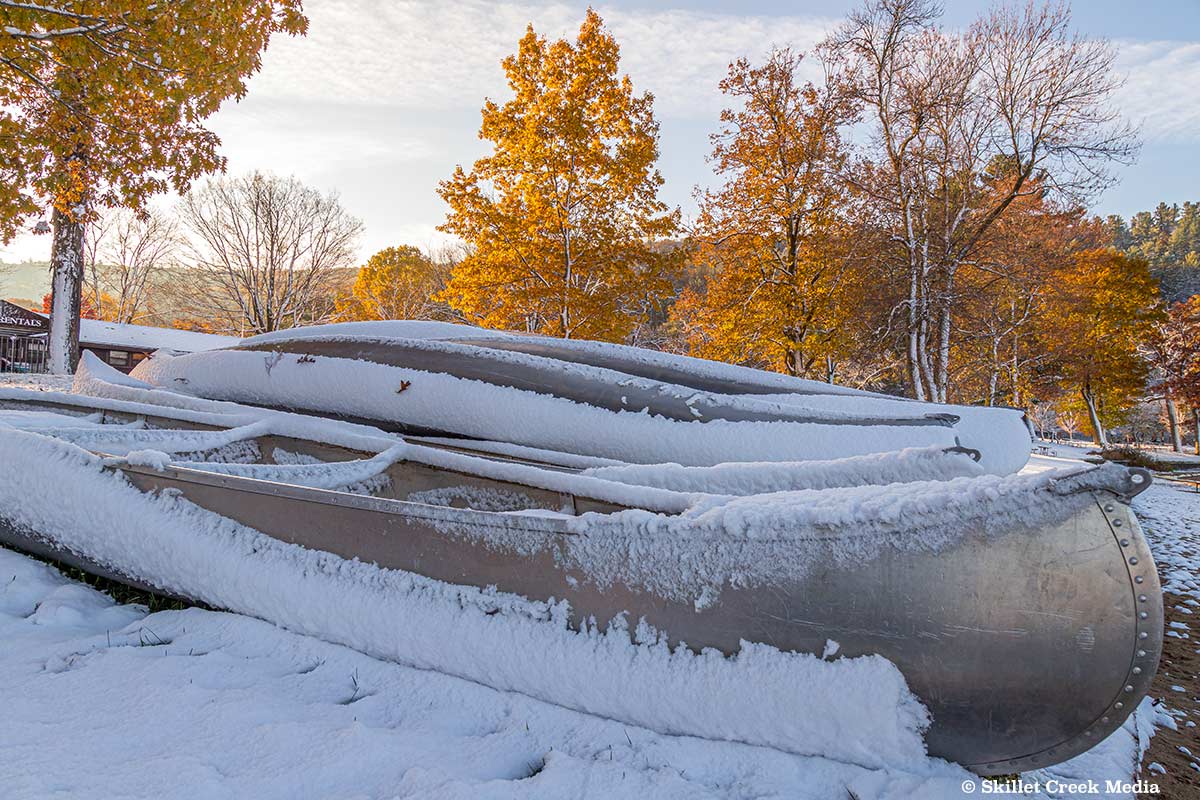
<point>123,346</point>
<point>23,346</point>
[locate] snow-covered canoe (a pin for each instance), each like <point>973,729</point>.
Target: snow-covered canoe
<point>577,397</point>
<point>1023,611</point>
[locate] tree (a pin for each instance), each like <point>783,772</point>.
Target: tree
<point>396,283</point>
<point>124,253</point>
<point>997,352</point>
<point>774,234</point>
<point>962,125</point>
<point>1176,352</point>
<point>87,310</point>
<point>1068,420</point>
<point>265,252</point>
<point>1101,309</point>
<point>561,216</point>
<point>101,105</point>
<point>1169,239</point>
<point>1042,416</point>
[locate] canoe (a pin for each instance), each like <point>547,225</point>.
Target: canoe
<point>582,398</point>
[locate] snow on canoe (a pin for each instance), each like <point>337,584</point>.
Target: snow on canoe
<point>577,397</point>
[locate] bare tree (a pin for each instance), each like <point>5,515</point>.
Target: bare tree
<point>1069,421</point>
<point>124,253</point>
<point>1042,415</point>
<point>963,125</point>
<point>265,252</point>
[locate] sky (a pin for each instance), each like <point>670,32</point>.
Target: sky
<point>381,100</point>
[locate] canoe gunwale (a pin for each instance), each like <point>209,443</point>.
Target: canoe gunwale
<point>496,520</point>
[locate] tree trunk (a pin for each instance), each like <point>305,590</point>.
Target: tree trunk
<point>66,262</point>
<point>1101,438</point>
<point>994,374</point>
<point>1015,372</point>
<point>791,361</point>
<point>1173,420</point>
<point>914,349</point>
<point>1196,422</point>
<point>942,369</point>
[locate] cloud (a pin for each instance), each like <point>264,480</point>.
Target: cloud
<point>313,138</point>
<point>424,56</point>
<point>1160,91</point>
<point>382,98</point>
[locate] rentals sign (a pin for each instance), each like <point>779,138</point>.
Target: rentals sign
<point>12,316</point>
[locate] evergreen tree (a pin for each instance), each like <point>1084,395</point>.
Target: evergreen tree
<point>1168,239</point>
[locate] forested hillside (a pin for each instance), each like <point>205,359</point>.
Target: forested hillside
<point>28,280</point>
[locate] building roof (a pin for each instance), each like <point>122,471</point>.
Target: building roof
<point>99,333</point>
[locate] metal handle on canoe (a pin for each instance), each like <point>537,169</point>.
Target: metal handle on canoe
<point>966,451</point>
<point>1137,480</point>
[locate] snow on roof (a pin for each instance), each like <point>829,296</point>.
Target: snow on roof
<point>142,337</point>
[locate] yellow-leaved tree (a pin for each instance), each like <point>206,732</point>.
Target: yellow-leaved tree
<point>562,216</point>
<point>1101,306</point>
<point>102,104</point>
<point>772,236</point>
<point>396,283</point>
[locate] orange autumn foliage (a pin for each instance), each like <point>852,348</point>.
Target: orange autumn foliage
<point>1101,306</point>
<point>773,236</point>
<point>101,101</point>
<point>395,283</point>
<point>561,217</point>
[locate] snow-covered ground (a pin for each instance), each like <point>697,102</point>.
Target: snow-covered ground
<point>1170,515</point>
<point>1079,450</point>
<point>49,383</point>
<point>103,700</point>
